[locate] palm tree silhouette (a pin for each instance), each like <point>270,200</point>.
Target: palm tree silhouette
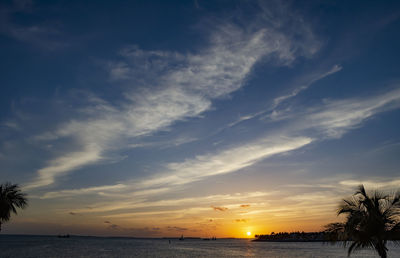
<point>371,220</point>
<point>11,198</point>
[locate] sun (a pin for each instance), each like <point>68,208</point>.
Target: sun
<point>248,233</point>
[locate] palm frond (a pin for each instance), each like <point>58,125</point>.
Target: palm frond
<point>371,220</point>
<point>11,198</point>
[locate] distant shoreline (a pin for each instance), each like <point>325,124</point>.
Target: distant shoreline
<point>117,237</point>
<point>288,240</point>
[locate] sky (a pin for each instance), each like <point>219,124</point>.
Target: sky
<point>196,118</point>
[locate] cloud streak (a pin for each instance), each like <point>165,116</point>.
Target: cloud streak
<point>173,87</point>
<point>202,200</point>
<point>391,184</point>
<point>274,112</point>
<point>296,91</point>
<point>89,190</point>
<point>224,162</point>
<point>334,118</point>
<point>330,120</point>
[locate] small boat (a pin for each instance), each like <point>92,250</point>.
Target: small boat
<point>181,238</point>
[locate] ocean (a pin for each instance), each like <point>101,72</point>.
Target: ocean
<point>15,246</point>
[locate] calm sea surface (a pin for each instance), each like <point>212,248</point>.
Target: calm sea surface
<point>48,246</point>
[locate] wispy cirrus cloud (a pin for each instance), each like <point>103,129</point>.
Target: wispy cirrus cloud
<point>226,161</point>
<point>164,213</point>
<point>372,184</point>
<point>173,87</point>
<point>335,117</point>
<point>273,111</point>
<point>205,201</point>
<point>331,119</point>
<point>123,191</point>
<point>80,192</point>
<point>314,78</point>
<point>319,202</point>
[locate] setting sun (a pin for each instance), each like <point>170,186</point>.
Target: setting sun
<point>199,128</point>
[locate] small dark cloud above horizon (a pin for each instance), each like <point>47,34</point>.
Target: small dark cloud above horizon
<point>216,208</point>
<point>241,220</point>
<point>111,225</point>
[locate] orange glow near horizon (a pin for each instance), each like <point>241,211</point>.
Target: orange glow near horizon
<point>229,217</point>
<point>227,224</point>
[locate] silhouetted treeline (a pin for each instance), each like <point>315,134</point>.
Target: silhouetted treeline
<point>293,237</point>
<point>334,232</point>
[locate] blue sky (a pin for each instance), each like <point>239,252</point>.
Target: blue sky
<point>218,116</point>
